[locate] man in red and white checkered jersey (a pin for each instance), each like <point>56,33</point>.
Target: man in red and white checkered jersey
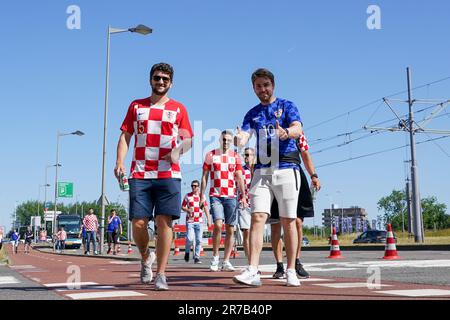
<point>90,223</point>
<point>225,168</point>
<point>162,132</point>
<point>244,214</point>
<point>277,244</point>
<point>194,207</point>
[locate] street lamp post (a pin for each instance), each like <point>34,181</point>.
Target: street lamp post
<point>141,29</point>
<point>77,133</point>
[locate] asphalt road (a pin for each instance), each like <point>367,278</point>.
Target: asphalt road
<point>361,275</point>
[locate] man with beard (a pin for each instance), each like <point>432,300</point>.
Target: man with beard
<point>162,134</point>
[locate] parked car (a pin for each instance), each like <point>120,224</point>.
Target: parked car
<point>305,241</point>
<point>372,236</point>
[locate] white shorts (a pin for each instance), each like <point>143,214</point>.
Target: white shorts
<point>281,184</point>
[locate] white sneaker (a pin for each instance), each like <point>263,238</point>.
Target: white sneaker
<point>214,264</point>
<point>227,266</point>
<point>291,277</point>
<point>250,277</point>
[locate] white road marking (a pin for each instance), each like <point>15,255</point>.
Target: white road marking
<point>25,266</point>
<point>88,288</point>
<point>268,276</point>
<point>8,280</point>
<point>344,285</point>
<point>380,263</point>
<point>121,262</point>
<point>105,294</point>
<point>71,284</point>
<point>134,275</point>
<point>417,292</point>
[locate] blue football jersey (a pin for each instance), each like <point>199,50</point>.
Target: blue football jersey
<point>261,121</point>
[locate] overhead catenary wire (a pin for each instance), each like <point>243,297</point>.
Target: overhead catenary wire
<point>378,152</point>
<point>375,101</point>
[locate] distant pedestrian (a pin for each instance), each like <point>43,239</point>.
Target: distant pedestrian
<point>43,235</point>
<point>162,133</point>
<point>114,231</point>
<point>194,209</point>
<point>90,222</point>
<point>83,236</point>
<point>244,214</point>
<point>224,166</point>
<point>28,239</point>
<point>15,238</point>
<point>62,236</point>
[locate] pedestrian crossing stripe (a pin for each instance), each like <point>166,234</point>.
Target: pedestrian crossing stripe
<point>344,285</point>
<point>417,292</point>
<point>69,284</point>
<point>25,266</point>
<point>8,280</point>
<point>104,294</point>
<point>88,288</point>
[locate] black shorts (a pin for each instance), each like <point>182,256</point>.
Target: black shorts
<point>112,237</point>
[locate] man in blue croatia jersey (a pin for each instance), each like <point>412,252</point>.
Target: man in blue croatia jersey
<point>277,124</point>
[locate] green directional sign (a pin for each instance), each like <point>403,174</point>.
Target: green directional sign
<point>65,189</point>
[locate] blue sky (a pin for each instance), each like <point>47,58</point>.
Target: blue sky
<point>324,57</point>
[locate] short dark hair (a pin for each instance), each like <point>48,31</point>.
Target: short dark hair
<point>225,132</point>
<point>263,73</point>
<point>195,181</point>
<point>163,67</point>
<point>113,210</point>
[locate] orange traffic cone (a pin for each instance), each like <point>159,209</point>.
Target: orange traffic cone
<point>202,253</point>
<point>390,249</point>
<point>130,250</point>
<point>234,253</point>
<point>335,252</point>
<point>176,250</point>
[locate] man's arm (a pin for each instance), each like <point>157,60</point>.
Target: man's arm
<point>309,165</point>
<point>203,184</point>
<point>122,149</point>
<point>208,217</point>
<point>174,156</point>
<point>241,184</point>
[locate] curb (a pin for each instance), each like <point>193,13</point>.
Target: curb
<point>87,256</point>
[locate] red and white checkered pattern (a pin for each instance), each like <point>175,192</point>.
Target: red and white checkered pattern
<point>192,201</point>
<point>156,129</point>
<point>90,222</point>
<point>247,181</point>
<point>302,143</point>
<point>223,168</point>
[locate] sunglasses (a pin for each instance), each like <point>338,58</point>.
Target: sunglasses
<point>157,78</point>
<point>194,186</point>
<point>248,155</point>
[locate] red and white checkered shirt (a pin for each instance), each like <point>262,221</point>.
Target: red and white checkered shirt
<point>302,144</point>
<point>90,222</point>
<point>156,129</point>
<point>192,200</point>
<point>223,168</point>
<point>247,181</point>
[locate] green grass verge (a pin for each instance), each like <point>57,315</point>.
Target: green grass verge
<point>4,256</point>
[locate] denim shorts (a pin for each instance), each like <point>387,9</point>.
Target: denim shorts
<point>163,196</point>
<point>223,209</point>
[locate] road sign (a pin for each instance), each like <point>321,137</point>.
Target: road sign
<point>65,189</point>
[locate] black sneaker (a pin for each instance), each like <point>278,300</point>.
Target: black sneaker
<point>279,273</point>
<point>186,256</point>
<point>301,272</point>
<point>109,251</point>
<point>197,260</point>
